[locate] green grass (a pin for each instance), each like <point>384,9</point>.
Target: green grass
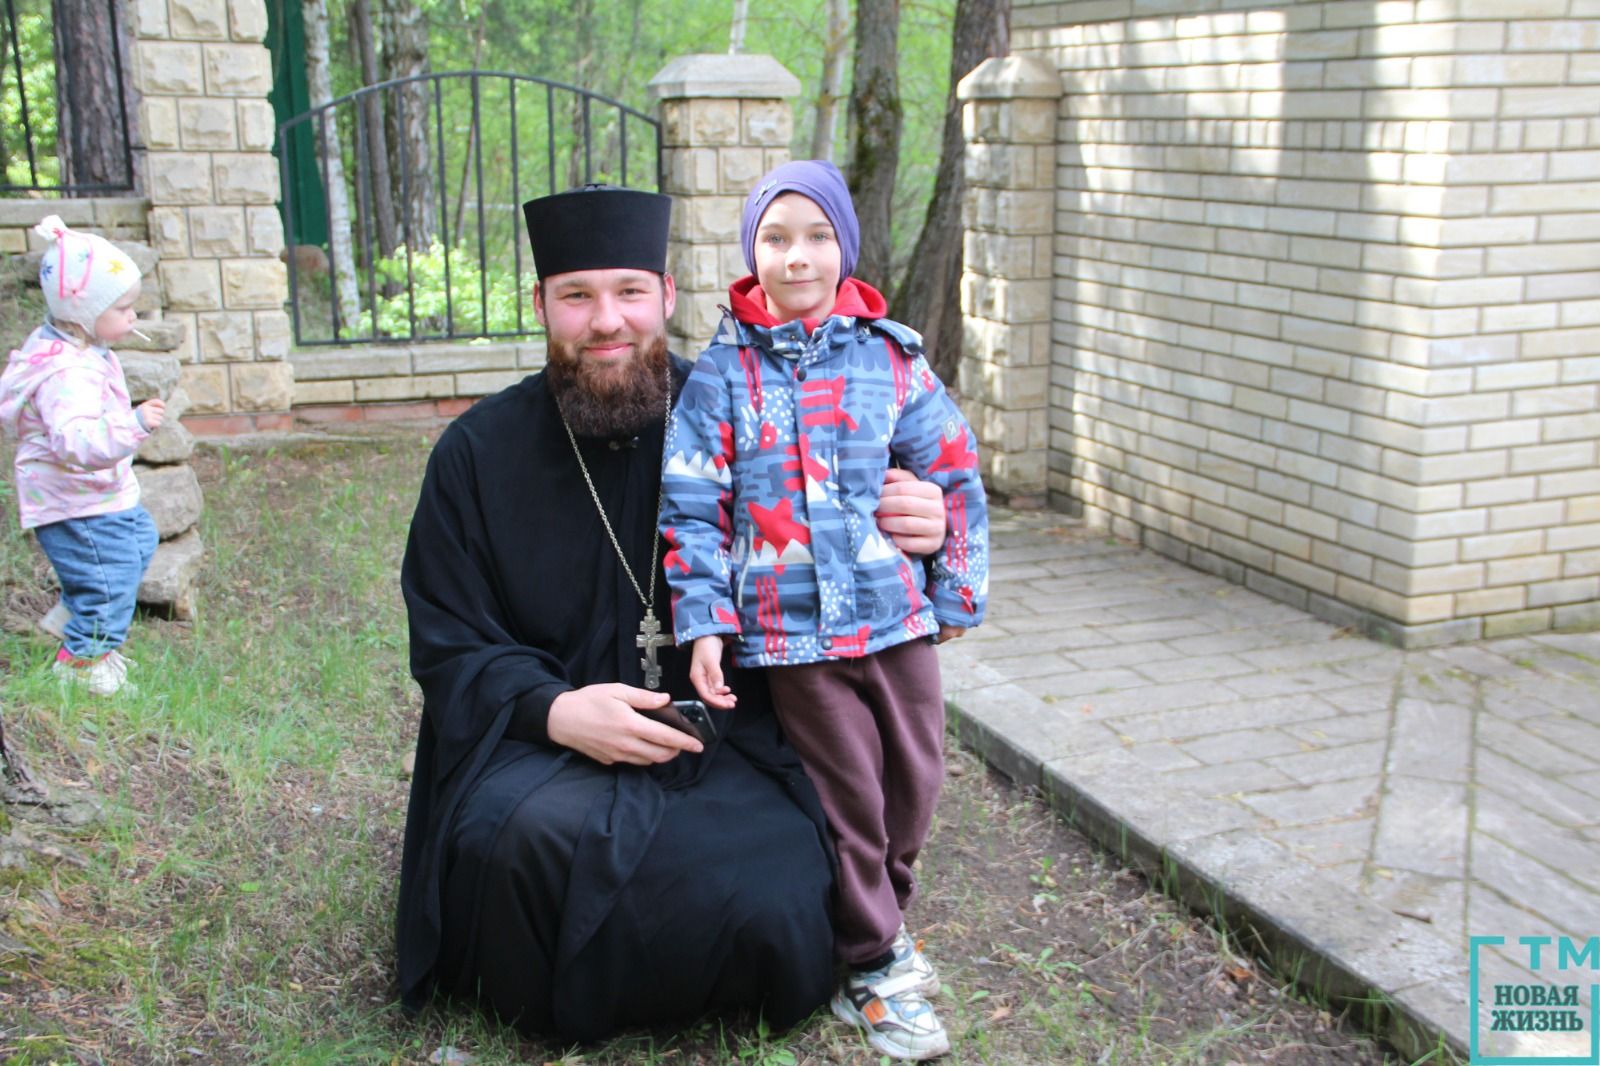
<point>237,896</point>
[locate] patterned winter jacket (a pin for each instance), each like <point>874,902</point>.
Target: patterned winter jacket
<point>76,432</point>
<point>773,466</point>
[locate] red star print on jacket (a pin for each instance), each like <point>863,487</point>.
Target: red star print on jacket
<point>777,544</point>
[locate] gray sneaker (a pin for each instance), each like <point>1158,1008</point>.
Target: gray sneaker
<point>908,959</point>
<point>898,1020</point>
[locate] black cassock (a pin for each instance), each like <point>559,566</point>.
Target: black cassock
<point>576,899</point>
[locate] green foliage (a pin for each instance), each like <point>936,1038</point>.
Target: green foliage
<point>468,292</point>
<point>614,49</point>
<point>36,50</point>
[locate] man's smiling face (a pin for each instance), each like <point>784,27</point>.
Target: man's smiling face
<point>606,335</point>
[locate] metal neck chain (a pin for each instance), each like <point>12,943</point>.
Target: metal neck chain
<point>655,542</point>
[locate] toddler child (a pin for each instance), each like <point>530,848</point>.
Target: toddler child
<point>65,400</point>
<point>775,457</point>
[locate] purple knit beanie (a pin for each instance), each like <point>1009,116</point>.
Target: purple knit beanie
<point>822,183</point>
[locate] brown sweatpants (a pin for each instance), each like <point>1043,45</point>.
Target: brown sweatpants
<point>870,732</point>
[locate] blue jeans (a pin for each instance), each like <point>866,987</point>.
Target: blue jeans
<point>99,561</point>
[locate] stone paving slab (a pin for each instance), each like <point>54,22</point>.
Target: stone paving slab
<point>1363,809</point>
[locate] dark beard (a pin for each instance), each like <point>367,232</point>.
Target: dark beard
<point>601,402</point>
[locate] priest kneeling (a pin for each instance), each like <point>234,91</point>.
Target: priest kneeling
<point>572,864</point>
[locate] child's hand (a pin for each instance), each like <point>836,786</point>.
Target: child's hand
<point>705,671</point>
<point>151,412</point>
<point>949,633</point>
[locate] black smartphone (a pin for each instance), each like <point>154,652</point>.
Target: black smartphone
<point>688,716</point>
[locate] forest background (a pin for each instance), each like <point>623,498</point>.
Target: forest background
<point>877,98</point>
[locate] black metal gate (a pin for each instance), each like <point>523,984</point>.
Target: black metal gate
<point>421,182</point>
<point>63,99</point>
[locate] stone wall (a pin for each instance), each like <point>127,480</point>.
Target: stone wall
<point>1327,298</point>
<point>120,219</point>
<point>203,75</point>
<point>167,484</point>
<point>327,379</point>
<point>1008,267</point>
<point>725,121</point>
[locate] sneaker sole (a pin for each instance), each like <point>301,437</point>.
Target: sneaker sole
<point>846,1012</point>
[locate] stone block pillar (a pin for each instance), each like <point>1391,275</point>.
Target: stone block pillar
<point>1009,119</point>
<point>725,121</point>
<point>203,75</point>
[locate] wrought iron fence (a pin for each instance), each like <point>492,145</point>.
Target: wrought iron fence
<point>402,200</point>
<point>63,99</point>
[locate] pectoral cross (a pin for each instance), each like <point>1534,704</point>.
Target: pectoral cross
<point>650,638</point>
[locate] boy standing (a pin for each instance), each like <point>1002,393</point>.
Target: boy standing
<point>774,461</point>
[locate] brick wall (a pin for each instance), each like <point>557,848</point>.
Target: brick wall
<point>116,218</point>
<point>203,75</point>
<point>1327,298</point>
<point>363,374</point>
<point>725,121</point>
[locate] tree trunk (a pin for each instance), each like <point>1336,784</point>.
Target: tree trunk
<point>375,133</point>
<point>91,138</point>
<point>930,297</point>
<point>468,157</point>
<point>5,66</point>
<point>875,120</point>
<point>619,86</point>
<point>347,299</point>
<point>741,16</point>
<point>827,116</point>
<point>583,16</point>
<point>405,51</point>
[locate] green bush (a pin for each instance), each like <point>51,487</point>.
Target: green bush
<point>428,296</point>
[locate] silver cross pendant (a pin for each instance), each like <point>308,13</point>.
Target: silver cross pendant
<point>650,638</point>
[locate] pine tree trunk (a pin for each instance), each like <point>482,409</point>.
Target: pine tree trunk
<point>583,17</point>
<point>469,157</point>
<point>374,132</point>
<point>91,140</point>
<point>405,51</point>
<point>347,296</point>
<point>930,296</point>
<point>875,121</point>
<point>741,16</point>
<point>827,115</point>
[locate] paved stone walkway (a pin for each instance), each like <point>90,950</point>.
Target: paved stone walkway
<point>1454,790</point>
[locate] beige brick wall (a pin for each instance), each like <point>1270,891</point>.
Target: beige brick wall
<point>116,218</point>
<point>372,374</point>
<point>202,75</point>
<point>1009,117</point>
<point>725,121</point>
<point>1327,298</point>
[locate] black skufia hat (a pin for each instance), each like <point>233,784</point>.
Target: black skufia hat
<point>598,227</point>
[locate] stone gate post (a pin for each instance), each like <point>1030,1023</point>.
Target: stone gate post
<point>203,75</point>
<point>725,121</point>
<point>1009,119</point>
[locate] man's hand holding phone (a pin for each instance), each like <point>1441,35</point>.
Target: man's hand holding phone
<point>686,716</point>
<point>599,721</point>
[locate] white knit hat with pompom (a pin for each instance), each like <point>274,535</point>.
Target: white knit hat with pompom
<point>82,274</point>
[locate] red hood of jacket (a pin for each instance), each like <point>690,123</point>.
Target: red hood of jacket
<point>855,299</point>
